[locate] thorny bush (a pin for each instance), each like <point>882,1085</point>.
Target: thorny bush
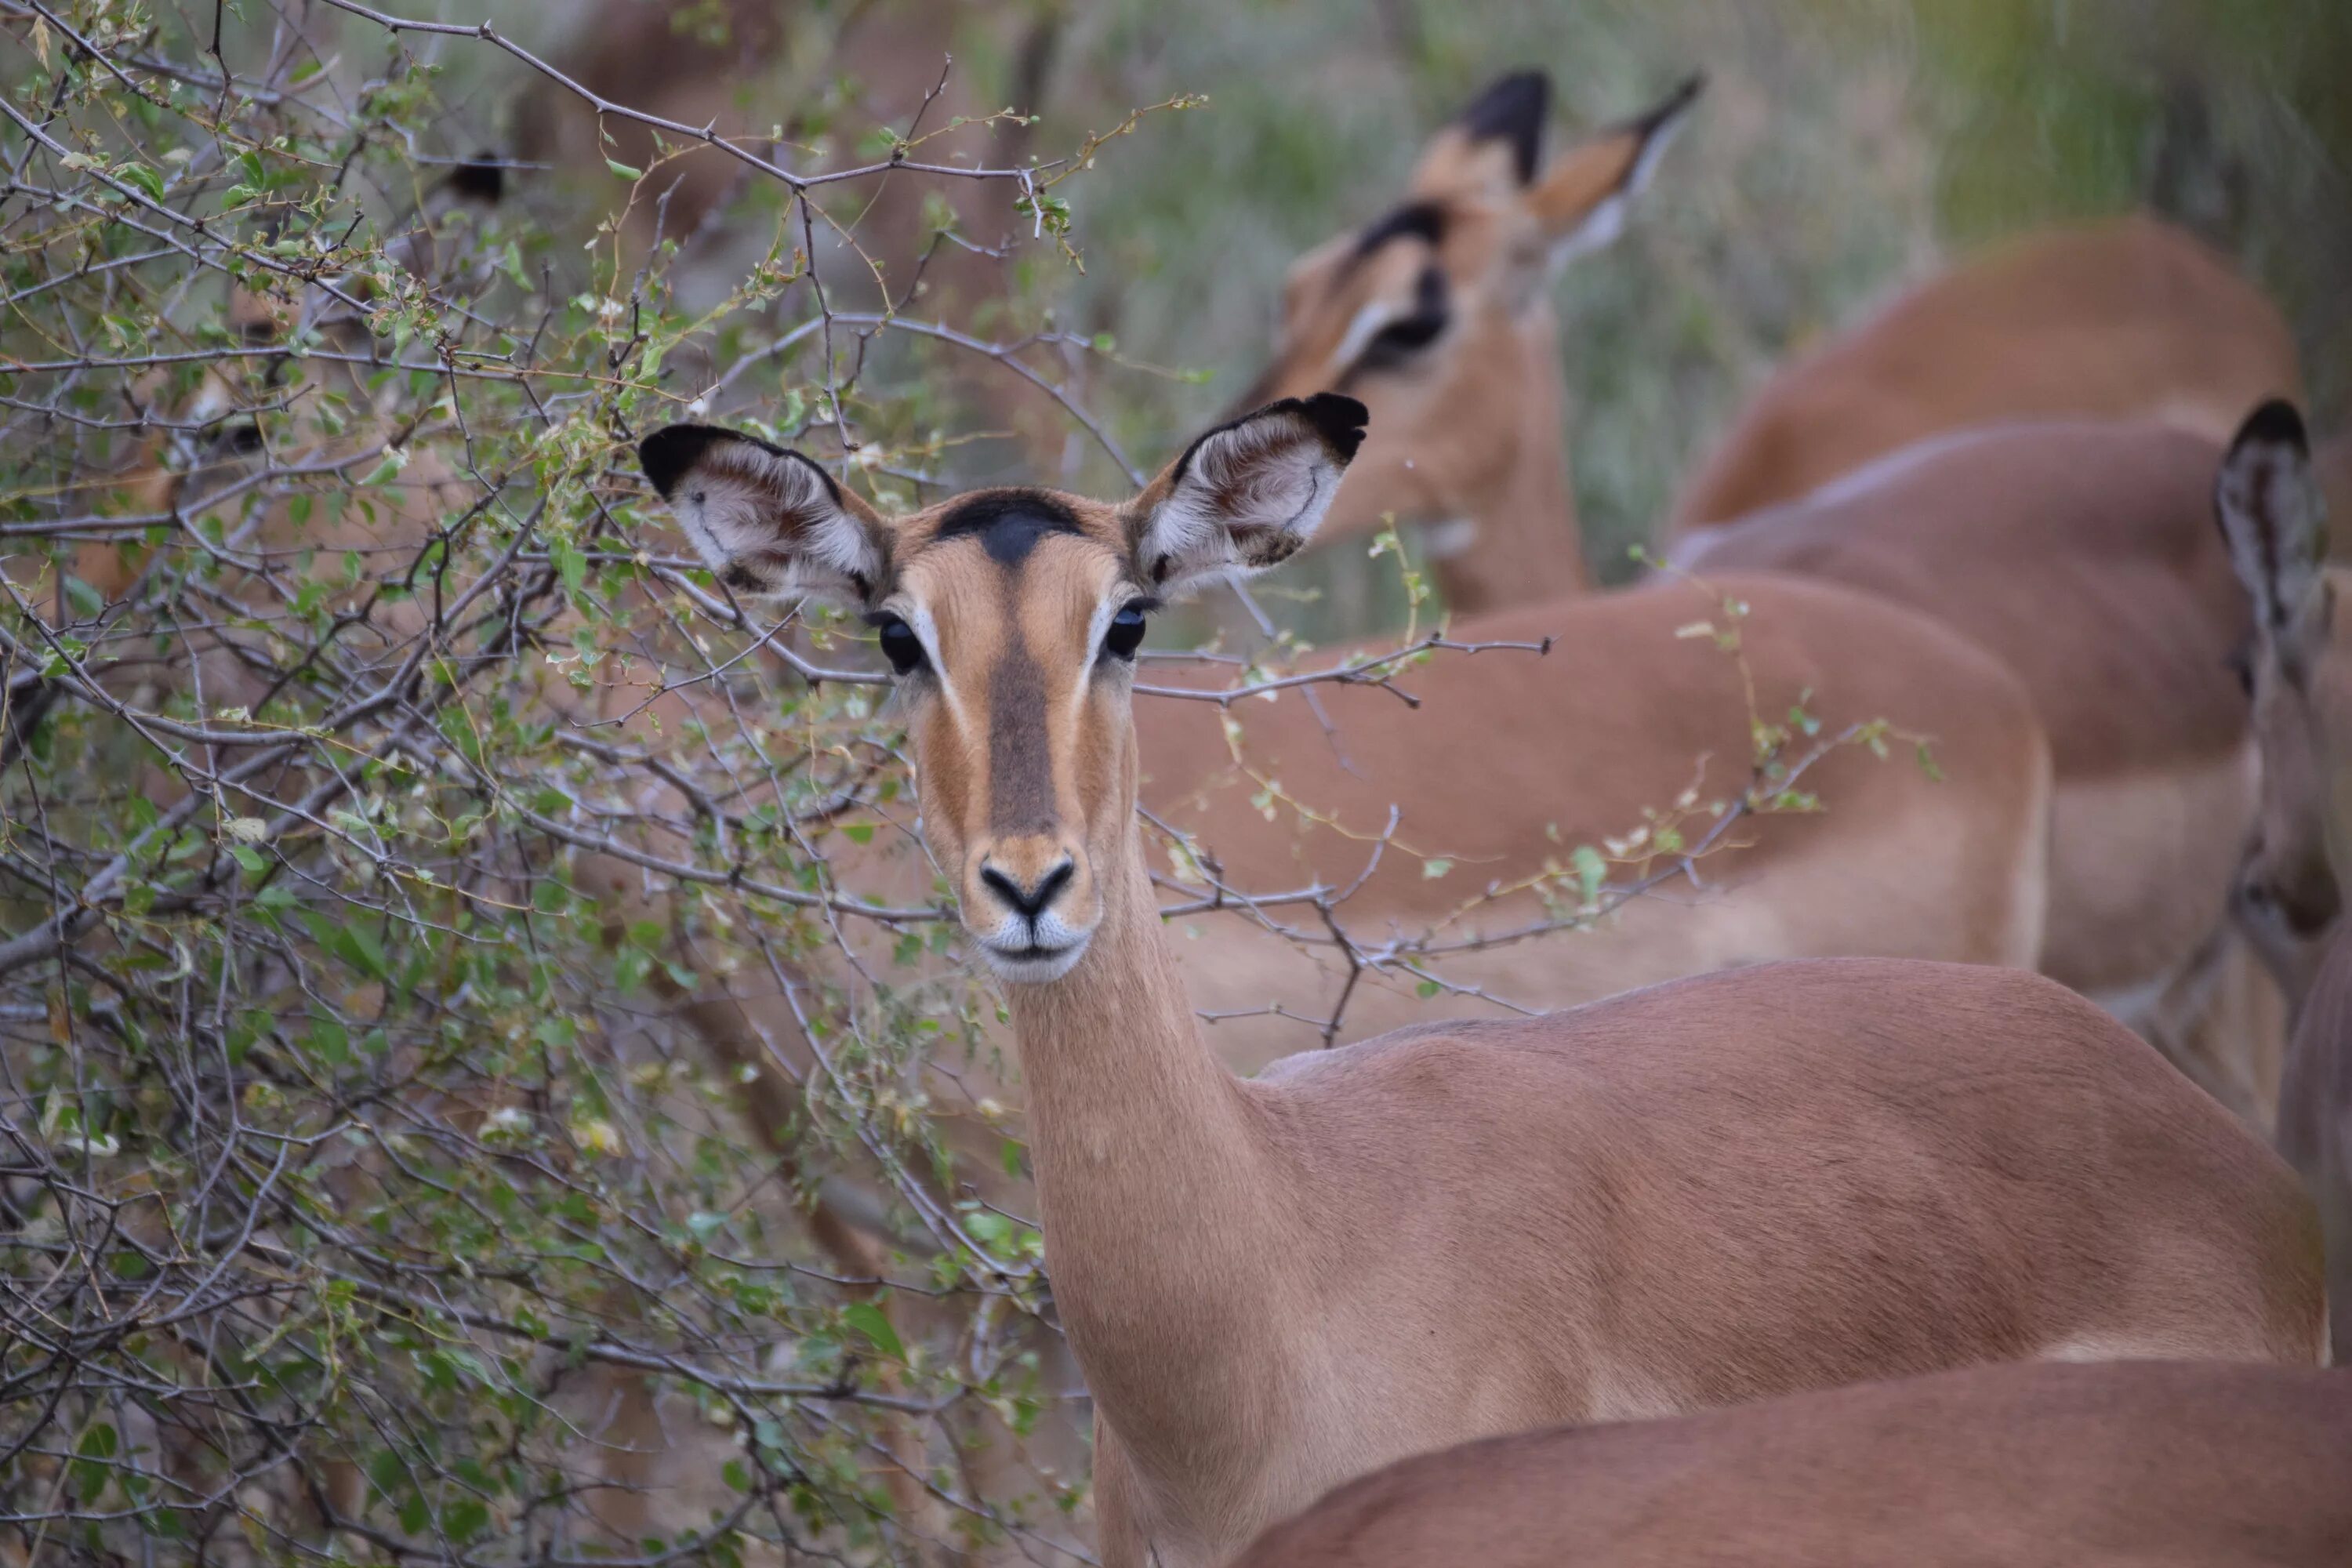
<point>391,810</point>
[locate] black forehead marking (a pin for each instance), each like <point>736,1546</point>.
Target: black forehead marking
<point>1423,221</point>
<point>1008,522</point>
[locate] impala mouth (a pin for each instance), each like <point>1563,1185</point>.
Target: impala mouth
<point>1032,963</point>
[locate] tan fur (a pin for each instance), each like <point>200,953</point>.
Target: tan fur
<point>1631,716</point>
<point>2127,319</point>
<point>1710,1190</point>
<point>1466,432</point>
<point>2290,898</point>
<point>2086,555</point>
<point>2019,1466</point>
<point>730,64</point>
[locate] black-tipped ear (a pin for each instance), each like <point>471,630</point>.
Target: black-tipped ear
<point>670,451</point>
<point>1583,201</point>
<point>1338,418</point>
<point>2277,422</point>
<point>1650,122</point>
<point>1247,495</point>
<point>2272,518</point>
<point>767,520</point>
<point>1513,110</point>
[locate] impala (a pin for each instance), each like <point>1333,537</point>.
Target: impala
<point>2192,1465</point>
<point>1793,1175</point>
<point>2080,553</point>
<point>1434,316</point>
<point>2290,896</point>
<point>2085,556</point>
<point>2131,318</point>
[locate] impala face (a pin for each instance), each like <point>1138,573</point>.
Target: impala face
<point>1011,619</point>
<point>2299,675</point>
<point>1435,314</point>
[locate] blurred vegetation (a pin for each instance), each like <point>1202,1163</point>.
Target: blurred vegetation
<point>361,1160</point>
<point>1844,148</point>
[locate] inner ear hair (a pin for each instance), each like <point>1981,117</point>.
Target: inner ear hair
<point>2272,516</point>
<point>769,520</point>
<point>1580,200</point>
<point>1247,495</point>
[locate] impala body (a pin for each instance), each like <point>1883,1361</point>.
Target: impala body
<point>1512,761</point>
<point>1709,1190</point>
<point>2129,320</point>
<point>2079,553</point>
<point>2122,1466</point>
<point>2084,555</point>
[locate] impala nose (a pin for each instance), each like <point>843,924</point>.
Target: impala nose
<point>1037,896</point>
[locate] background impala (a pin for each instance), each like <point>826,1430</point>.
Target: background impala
<point>496,1062</point>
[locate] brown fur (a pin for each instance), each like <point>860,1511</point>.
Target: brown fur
<point>2084,554</point>
<point>1632,715</point>
<point>1465,428</point>
<point>2127,319</point>
<point>727,66</point>
<point>2291,894</point>
<point>2019,1466</point>
<point>1707,1191</point>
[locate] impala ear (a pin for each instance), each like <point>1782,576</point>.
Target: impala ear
<point>2272,518</point>
<point>1247,495</point>
<point>769,521</point>
<point>1580,202</point>
<point>1491,148</point>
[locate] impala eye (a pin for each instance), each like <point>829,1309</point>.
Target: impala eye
<point>1125,632</point>
<point>900,645</point>
<point>1406,336</point>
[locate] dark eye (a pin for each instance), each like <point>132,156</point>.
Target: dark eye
<point>1400,341</point>
<point>2240,661</point>
<point>1408,335</point>
<point>900,645</point>
<point>1125,632</point>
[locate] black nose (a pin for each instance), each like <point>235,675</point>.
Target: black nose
<point>1029,902</point>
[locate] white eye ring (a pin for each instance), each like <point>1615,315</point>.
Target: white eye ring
<point>1367,326</point>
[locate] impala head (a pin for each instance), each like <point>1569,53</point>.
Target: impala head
<point>1011,619</point>
<point>1435,314</point>
<point>2299,677</point>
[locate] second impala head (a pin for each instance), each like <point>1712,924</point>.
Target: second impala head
<point>1010,619</point>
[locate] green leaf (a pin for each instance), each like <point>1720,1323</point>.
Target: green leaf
<point>1427,989</point>
<point>145,178</point>
<point>569,564</point>
<point>624,170</point>
<point>464,1519</point>
<point>858,832</point>
<point>97,1446</point>
<point>87,602</point>
<point>873,1322</point>
<point>1435,866</point>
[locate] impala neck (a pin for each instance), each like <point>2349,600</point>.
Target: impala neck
<point>1520,542</point>
<point>1149,1154</point>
